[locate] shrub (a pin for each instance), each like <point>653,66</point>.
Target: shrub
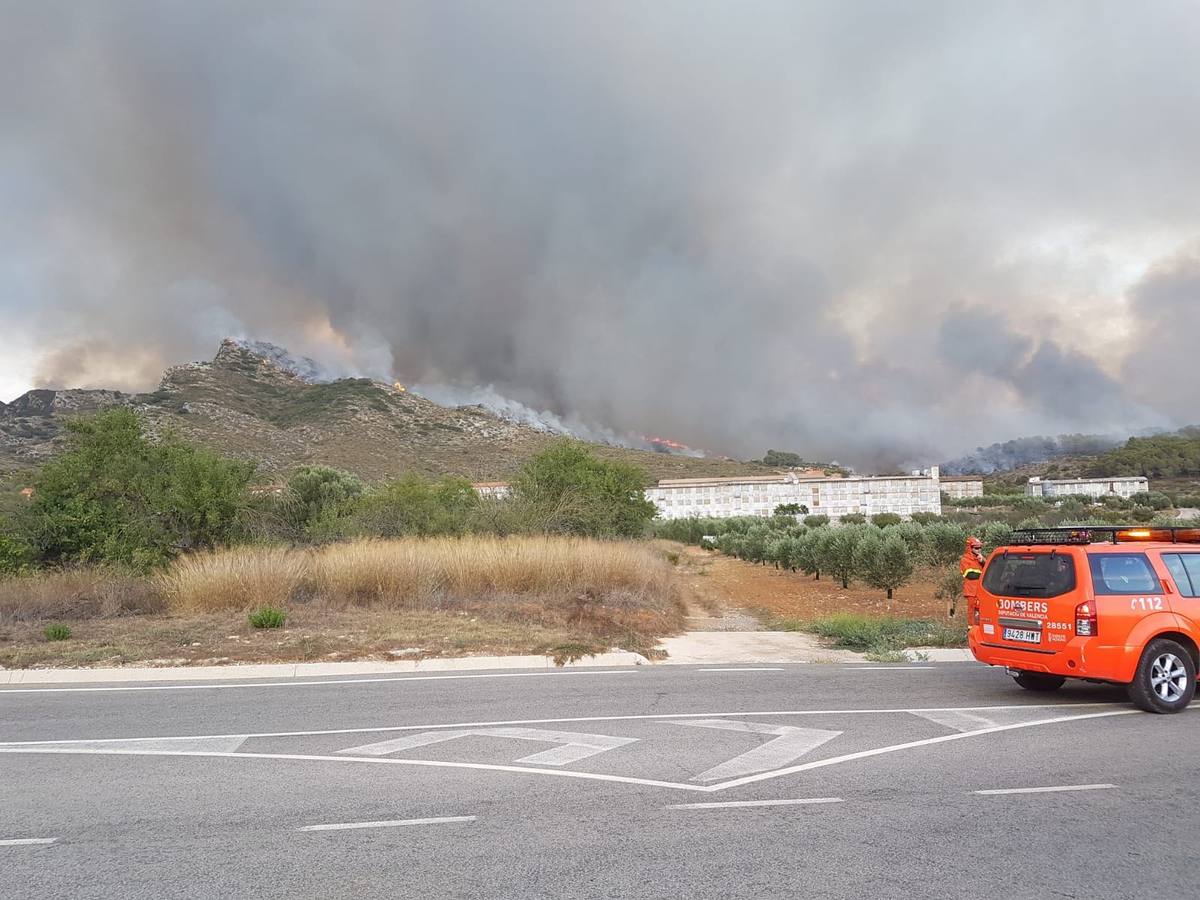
<point>853,519</point>
<point>816,521</point>
<point>578,493</point>
<point>115,496</point>
<point>267,617</point>
<point>791,509</point>
<point>318,502</point>
<point>883,520</point>
<point>925,518</point>
<point>883,635</point>
<point>413,505</point>
<point>15,553</point>
<point>56,631</point>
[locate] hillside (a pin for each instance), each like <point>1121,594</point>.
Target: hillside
<point>247,403</point>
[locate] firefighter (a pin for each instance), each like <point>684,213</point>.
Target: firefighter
<point>970,564</point>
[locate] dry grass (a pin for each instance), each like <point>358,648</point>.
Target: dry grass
<point>76,594</point>
<point>421,573</point>
<point>557,596</point>
<point>239,578</point>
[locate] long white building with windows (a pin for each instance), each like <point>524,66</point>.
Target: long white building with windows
<point>1123,486</point>
<point>835,497</point>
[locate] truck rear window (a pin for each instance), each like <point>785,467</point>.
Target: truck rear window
<point>1039,575</point>
<point>1123,573</point>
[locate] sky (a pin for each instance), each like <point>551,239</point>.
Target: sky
<point>885,232</point>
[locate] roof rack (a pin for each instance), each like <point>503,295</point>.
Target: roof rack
<point>1113,534</point>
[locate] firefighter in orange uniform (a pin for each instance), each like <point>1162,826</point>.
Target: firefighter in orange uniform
<point>970,564</point>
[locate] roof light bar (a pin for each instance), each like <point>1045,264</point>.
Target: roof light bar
<point>1115,534</point>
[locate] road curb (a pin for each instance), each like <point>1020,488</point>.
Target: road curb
<point>309,670</point>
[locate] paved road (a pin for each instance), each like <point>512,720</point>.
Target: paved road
<point>792,781</point>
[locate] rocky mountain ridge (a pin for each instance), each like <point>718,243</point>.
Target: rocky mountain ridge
<point>256,401</point>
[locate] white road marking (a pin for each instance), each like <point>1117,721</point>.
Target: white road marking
<point>69,747</point>
<point>22,842</point>
<point>218,744</point>
<point>278,684</point>
<point>393,823</point>
<point>573,746</point>
<point>1049,790</point>
<point>377,760</point>
<point>734,804</point>
<point>891,668</point>
<point>383,729</point>
<point>789,745</point>
<point>763,669</point>
<point>910,745</point>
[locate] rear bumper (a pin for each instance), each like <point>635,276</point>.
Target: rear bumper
<point>1079,658</point>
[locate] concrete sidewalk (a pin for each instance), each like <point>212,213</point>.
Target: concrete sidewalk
<point>308,670</point>
<point>690,648</point>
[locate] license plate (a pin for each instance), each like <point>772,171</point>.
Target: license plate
<point>1022,635</point>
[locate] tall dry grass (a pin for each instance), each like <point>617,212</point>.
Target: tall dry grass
<point>84,593</point>
<point>237,578</point>
<point>413,572</point>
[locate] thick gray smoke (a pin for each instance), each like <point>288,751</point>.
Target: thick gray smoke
<point>882,231</point>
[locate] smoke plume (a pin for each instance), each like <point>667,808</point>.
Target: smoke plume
<point>886,232</point>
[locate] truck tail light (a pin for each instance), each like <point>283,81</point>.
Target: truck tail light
<point>973,610</point>
<point>1086,624</point>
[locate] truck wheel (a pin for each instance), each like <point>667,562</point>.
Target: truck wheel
<point>1037,681</point>
<point>1165,681</point>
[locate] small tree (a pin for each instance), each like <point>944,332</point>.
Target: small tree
<point>837,552</point>
<point>808,553</point>
<point>853,519</point>
<point>791,509</point>
<point>944,543</point>
<point>892,565</point>
<point>883,520</point>
<point>816,521</point>
<point>416,505</point>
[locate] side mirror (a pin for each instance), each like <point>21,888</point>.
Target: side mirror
<point>974,576</point>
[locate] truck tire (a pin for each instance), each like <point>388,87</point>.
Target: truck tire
<point>1039,681</point>
<point>1165,680</point>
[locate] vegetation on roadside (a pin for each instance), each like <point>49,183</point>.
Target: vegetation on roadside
<point>882,638</point>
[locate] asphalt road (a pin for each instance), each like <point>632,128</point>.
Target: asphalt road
<point>598,784</point>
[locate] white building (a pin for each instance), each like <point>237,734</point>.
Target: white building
<point>962,488</point>
<point>834,497</point>
<point>1125,486</point>
<point>494,489</point>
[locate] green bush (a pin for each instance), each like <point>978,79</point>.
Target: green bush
<point>268,617</point>
<point>319,503</point>
<point>413,505</point>
<point>116,496</point>
<point>16,555</point>
<point>56,631</point>
<point>575,492</point>
<point>816,521</point>
<point>883,520</point>
<point>853,519</point>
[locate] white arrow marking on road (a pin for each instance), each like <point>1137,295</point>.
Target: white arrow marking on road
<point>225,743</point>
<point>790,744</point>
<point>572,746</point>
<point>969,720</point>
